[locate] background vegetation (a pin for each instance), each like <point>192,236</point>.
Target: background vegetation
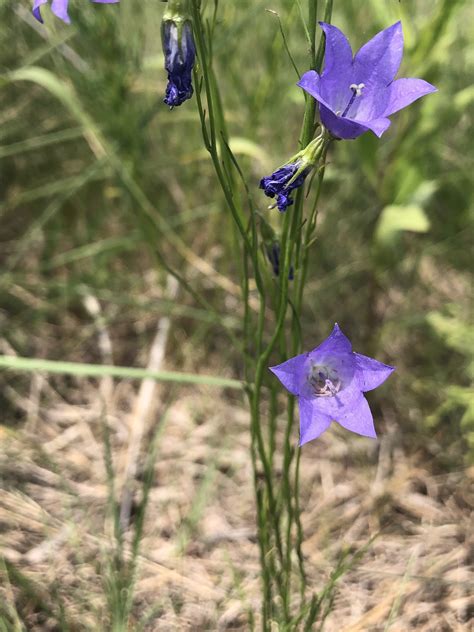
<point>100,183</point>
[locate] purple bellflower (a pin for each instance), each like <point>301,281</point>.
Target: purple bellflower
<point>357,94</point>
<point>180,53</point>
<point>330,383</point>
<point>59,8</point>
<point>282,182</point>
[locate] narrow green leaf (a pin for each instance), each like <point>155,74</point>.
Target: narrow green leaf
<point>97,370</point>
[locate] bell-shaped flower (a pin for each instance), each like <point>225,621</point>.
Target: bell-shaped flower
<point>330,383</point>
<point>59,8</point>
<point>357,94</point>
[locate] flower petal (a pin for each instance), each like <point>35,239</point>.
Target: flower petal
<point>378,61</point>
<point>59,8</point>
<point>36,9</point>
<point>338,405</point>
<point>290,372</point>
<point>335,344</point>
<point>402,92</point>
<point>370,372</point>
<point>337,73</point>
<point>338,51</point>
<point>312,422</point>
<point>312,84</point>
<point>339,126</point>
<point>370,104</point>
<point>359,419</point>
<point>378,126</point>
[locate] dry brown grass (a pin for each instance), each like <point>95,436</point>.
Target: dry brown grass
<point>199,561</point>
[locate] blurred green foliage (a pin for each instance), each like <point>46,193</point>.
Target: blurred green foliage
<point>85,139</point>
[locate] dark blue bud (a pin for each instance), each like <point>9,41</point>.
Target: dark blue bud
<point>273,255</point>
<point>277,184</point>
<point>180,52</point>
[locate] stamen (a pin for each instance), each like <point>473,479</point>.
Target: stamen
<point>330,387</point>
<point>357,92</point>
<point>324,381</point>
<point>357,88</point>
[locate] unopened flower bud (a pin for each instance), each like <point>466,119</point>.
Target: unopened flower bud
<point>179,51</point>
<point>292,174</point>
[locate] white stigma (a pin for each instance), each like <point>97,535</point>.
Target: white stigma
<point>357,88</point>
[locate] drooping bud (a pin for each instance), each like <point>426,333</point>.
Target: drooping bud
<point>292,174</point>
<point>271,247</point>
<point>272,251</point>
<point>179,51</point>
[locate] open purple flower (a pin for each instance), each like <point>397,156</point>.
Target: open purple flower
<point>180,52</point>
<point>59,8</point>
<point>330,383</point>
<point>357,94</point>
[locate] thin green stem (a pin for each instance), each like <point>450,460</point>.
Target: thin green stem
<point>312,18</point>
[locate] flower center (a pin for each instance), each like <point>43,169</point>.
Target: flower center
<point>324,381</point>
<point>356,92</point>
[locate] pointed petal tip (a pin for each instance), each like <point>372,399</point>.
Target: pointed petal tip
<point>381,126</point>
<point>308,78</point>
<point>275,370</point>
<point>397,28</point>
<point>405,91</point>
<point>312,433</point>
<point>328,26</point>
<point>36,13</point>
<point>337,330</point>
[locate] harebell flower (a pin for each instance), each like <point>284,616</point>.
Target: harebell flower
<point>330,383</point>
<point>357,94</point>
